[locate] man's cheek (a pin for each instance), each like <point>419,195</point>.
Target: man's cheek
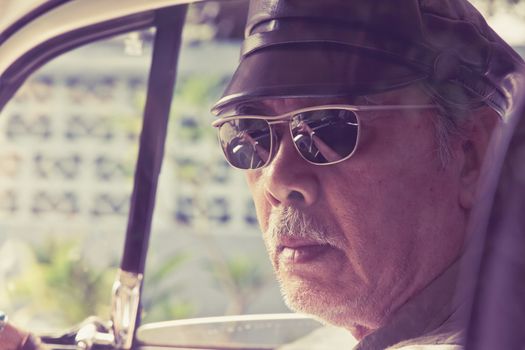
<point>263,217</point>
<point>262,207</point>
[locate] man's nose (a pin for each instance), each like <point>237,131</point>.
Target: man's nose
<point>290,180</point>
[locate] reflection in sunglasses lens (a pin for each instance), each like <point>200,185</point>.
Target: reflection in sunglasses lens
<point>325,136</point>
<point>246,142</point>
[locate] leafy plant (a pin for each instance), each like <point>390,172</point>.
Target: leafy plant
<point>241,277</point>
<point>162,302</point>
<point>60,287</point>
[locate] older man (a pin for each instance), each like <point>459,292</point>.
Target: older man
<point>362,126</point>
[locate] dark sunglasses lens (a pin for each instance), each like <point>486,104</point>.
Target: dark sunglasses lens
<point>325,136</point>
<point>246,142</point>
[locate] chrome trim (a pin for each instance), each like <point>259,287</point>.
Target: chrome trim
<point>125,306</point>
<point>89,335</point>
<point>286,118</point>
<point>71,16</point>
<point>354,108</point>
<point>3,320</point>
<point>221,332</point>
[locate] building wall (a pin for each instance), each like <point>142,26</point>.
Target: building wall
<point>67,157</point>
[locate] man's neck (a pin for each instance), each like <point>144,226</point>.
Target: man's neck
<point>426,313</point>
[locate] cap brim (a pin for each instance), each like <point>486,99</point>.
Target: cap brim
<point>305,71</point>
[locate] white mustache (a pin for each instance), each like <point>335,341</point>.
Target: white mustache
<point>293,223</point>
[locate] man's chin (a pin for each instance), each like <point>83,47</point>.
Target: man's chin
<point>329,301</point>
<point>309,297</point>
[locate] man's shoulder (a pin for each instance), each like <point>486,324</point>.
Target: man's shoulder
<point>429,347</point>
<point>438,341</point>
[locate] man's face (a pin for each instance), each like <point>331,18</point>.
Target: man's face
<point>353,241</point>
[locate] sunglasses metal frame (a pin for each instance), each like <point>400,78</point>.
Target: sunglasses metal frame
<point>287,118</point>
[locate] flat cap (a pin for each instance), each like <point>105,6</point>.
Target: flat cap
<point>329,48</point>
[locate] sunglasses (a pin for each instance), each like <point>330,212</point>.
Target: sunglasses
<point>322,135</point>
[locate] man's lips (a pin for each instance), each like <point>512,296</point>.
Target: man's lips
<point>300,252</point>
<point>303,254</point>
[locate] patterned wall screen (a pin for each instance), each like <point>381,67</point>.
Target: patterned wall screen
<point>69,143</point>
<point>68,147</point>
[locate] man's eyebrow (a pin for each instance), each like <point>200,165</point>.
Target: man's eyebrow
<point>255,107</point>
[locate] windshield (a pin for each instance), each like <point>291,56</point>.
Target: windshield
<point>69,143</point>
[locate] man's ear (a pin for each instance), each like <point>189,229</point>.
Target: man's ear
<point>477,132</point>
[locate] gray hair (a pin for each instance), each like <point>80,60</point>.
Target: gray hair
<point>449,124</point>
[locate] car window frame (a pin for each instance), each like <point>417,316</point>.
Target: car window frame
<point>168,22</point>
